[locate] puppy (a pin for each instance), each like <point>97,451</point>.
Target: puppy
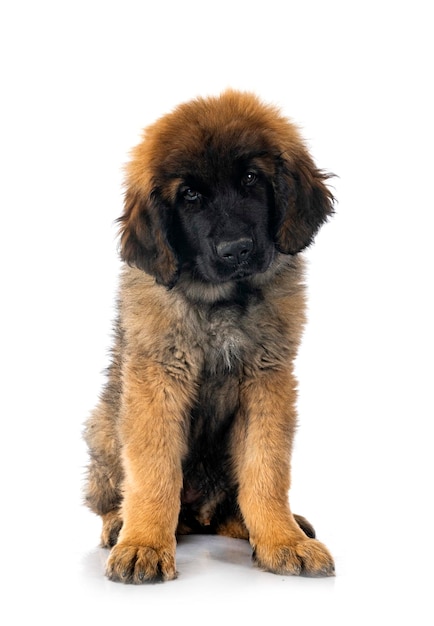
<point>194,428</point>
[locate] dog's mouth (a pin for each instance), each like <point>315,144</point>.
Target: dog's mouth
<point>257,263</point>
<point>242,272</point>
<point>215,274</point>
<point>212,269</point>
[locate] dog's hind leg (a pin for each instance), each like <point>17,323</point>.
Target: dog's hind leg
<point>103,493</point>
<point>103,489</point>
<point>305,526</point>
<point>233,527</point>
<point>111,527</point>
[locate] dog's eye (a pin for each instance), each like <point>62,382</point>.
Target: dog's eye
<point>190,194</point>
<point>249,179</point>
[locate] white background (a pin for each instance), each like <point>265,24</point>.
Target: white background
<point>79,80</point>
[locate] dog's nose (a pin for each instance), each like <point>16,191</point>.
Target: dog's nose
<point>235,252</point>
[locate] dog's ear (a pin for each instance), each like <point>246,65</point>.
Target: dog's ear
<point>144,236</point>
<point>303,202</point>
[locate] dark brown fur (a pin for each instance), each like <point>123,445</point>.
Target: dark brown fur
<point>194,429</point>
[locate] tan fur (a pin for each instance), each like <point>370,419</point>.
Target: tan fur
<point>175,351</point>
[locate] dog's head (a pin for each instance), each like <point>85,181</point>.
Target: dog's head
<point>216,188</point>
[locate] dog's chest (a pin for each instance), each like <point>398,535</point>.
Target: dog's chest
<point>226,342</point>
<point>223,341</point>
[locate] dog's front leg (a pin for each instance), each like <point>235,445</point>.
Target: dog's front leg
<point>280,546</point>
<point>152,435</point>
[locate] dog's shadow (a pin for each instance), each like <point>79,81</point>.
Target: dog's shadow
<point>214,548</point>
<point>199,555</point>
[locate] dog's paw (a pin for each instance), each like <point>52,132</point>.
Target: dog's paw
<point>140,564</point>
<point>111,526</point>
<point>306,557</point>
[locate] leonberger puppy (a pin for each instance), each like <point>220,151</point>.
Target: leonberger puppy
<point>194,428</point>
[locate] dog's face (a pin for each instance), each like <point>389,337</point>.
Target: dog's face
<point>222,220</point>
<point>216,188</point>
